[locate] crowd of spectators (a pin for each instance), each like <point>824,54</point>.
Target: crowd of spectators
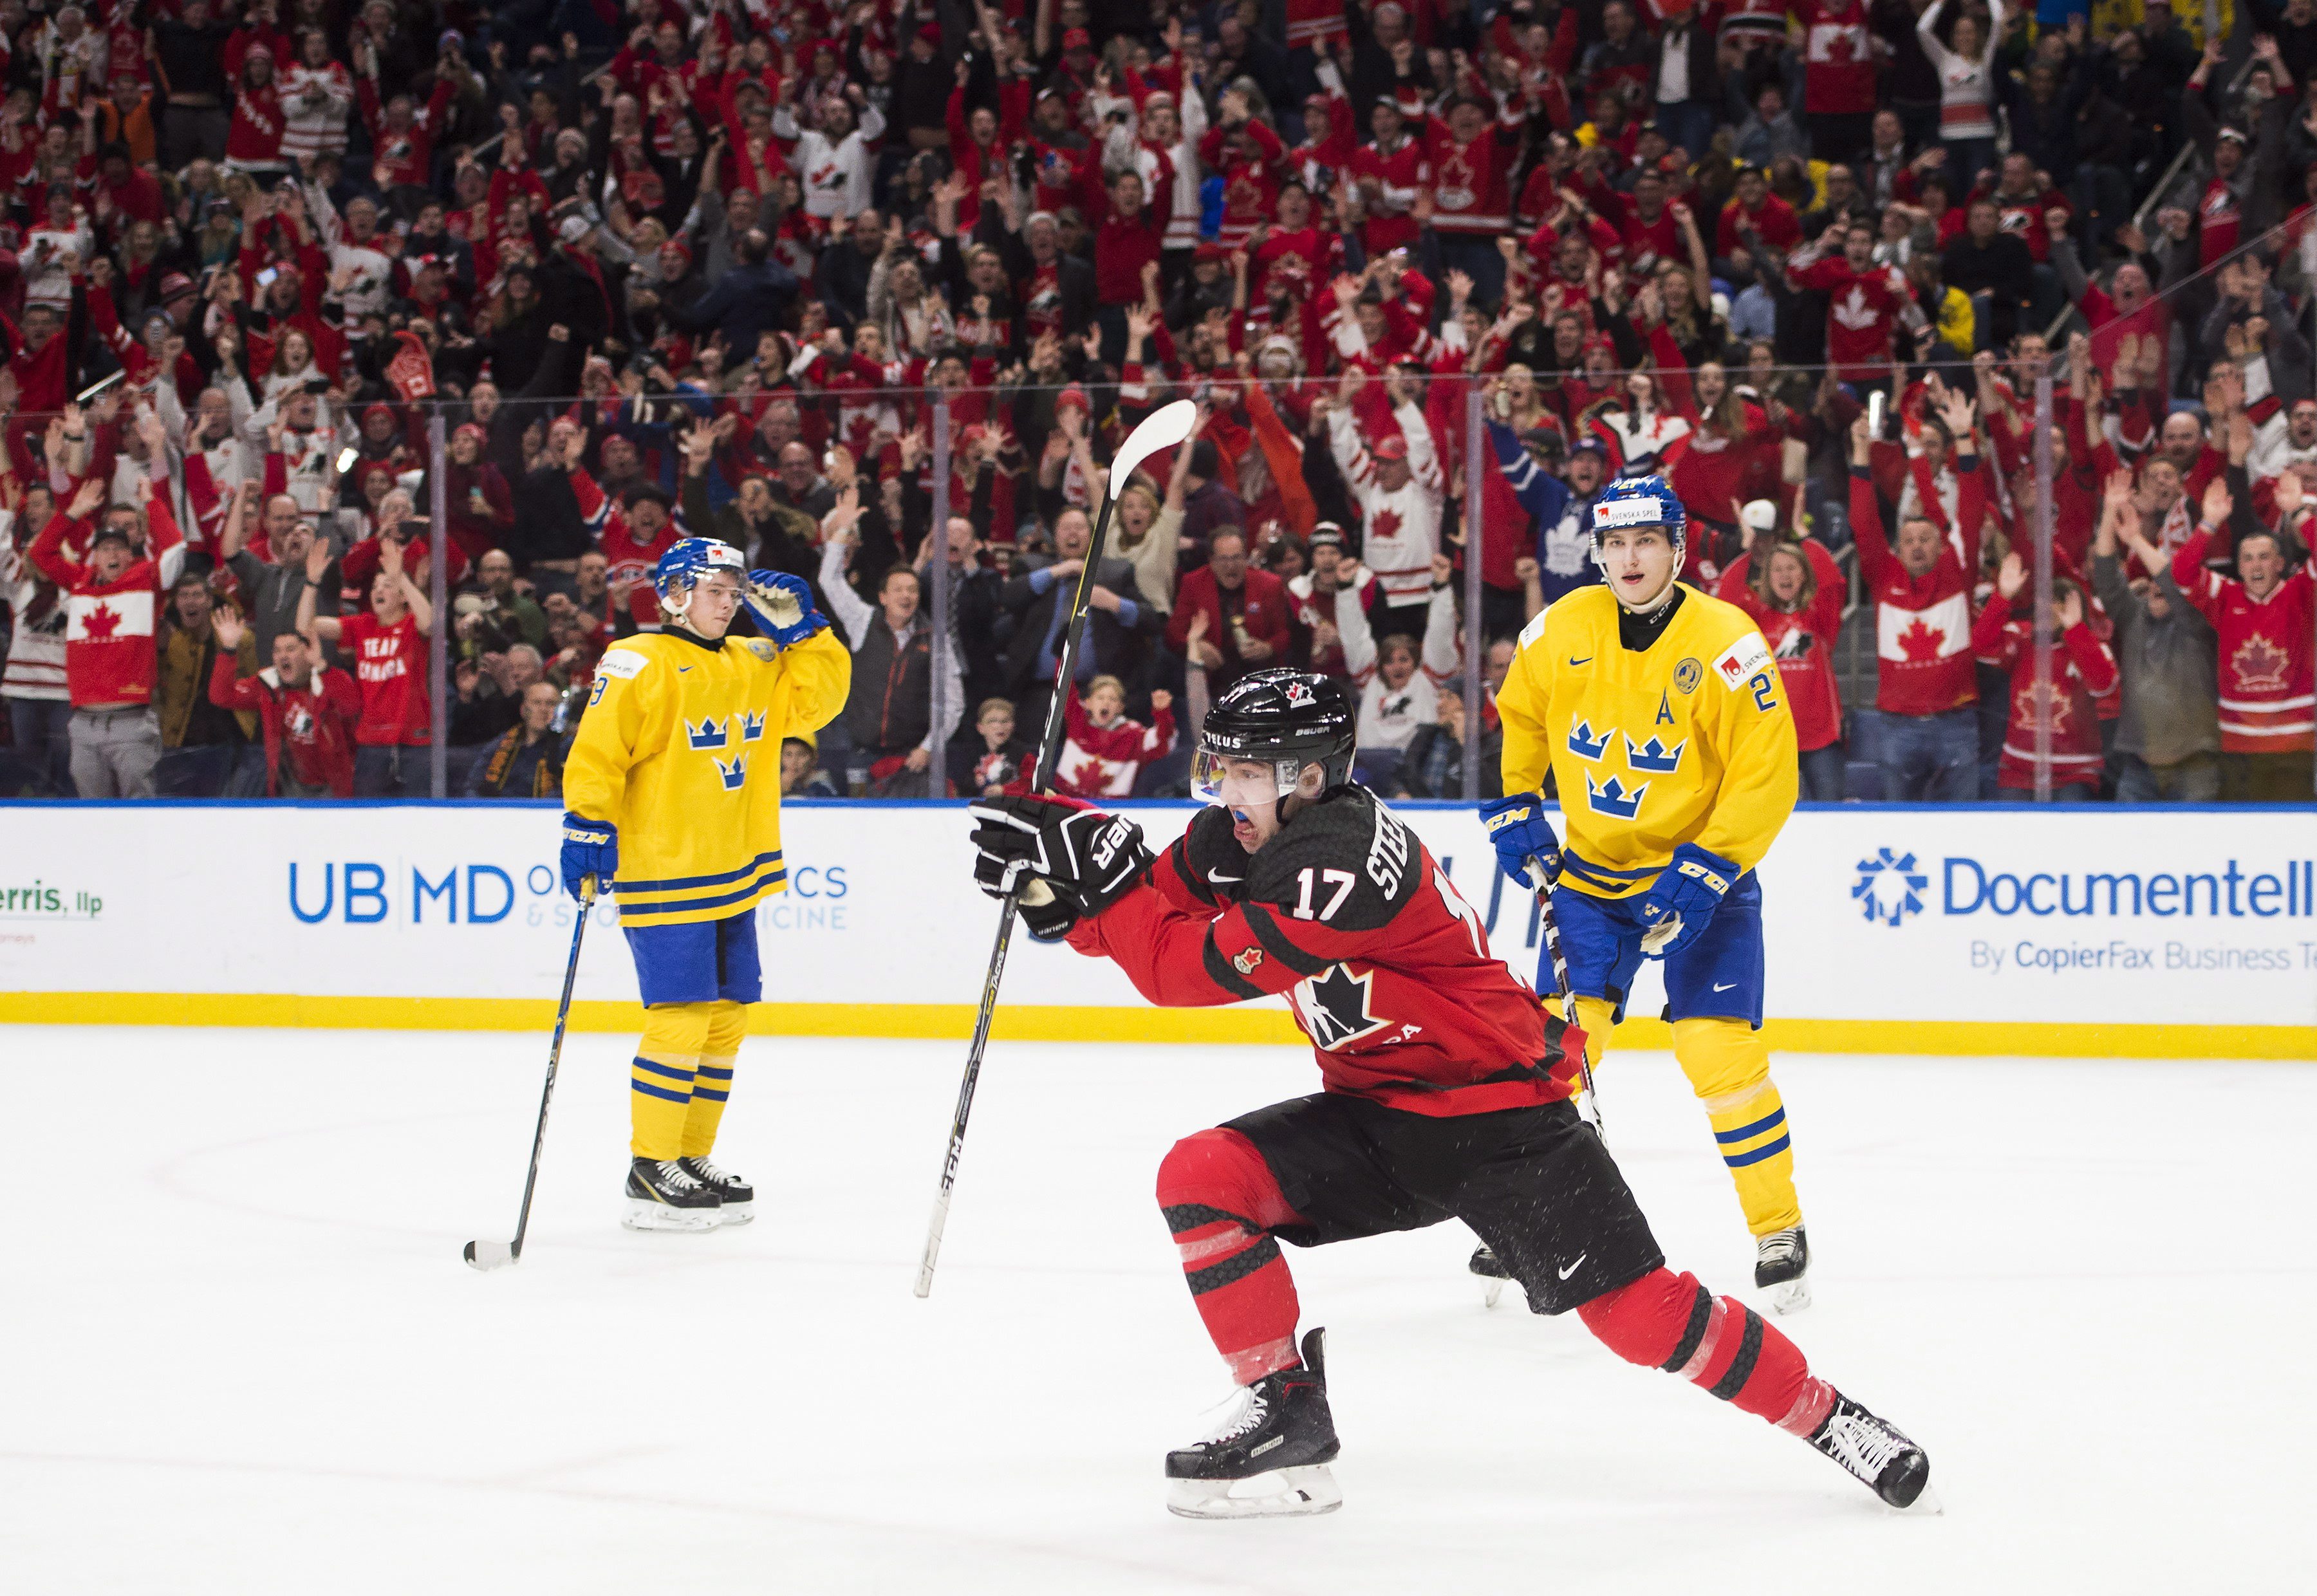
<point>751,267</point>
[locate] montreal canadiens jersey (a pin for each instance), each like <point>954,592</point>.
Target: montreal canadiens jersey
<point>1689,740</point>
<point>1347,914</point>
<point>680,748</point>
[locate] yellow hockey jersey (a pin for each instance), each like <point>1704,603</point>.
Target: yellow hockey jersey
<point>1688,741</point>
<point>680,748</point>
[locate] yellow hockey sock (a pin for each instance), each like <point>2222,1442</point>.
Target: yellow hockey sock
<point>1594,1016</point>
<point>1728,1067</point>
<point>661,1078</point>
<point>728,1022</point>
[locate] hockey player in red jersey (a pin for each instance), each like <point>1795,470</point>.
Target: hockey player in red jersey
<point>1447,1093</point>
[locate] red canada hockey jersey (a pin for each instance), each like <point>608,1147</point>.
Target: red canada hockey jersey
<point>1922,626</point>
<point>110,642</point>
<point>1386,970</point>
<point>2083,670</point>
<point>1863,308</point>
<point>2268,679</point>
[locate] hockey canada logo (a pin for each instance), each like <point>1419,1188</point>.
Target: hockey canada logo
<point>1888,887</point>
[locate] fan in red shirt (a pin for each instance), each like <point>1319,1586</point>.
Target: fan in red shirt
<point>1795,593</point>
<point>111,602</point>
<point>1390,173</point>
<point>1838,69</point>
<point>254,140</point>
<point>306,711</point>
<point>2267,665</point>
<point>1105,750</point>
<point>1922,589</point>
<point>388,645</point>
<point>402,135</point>
<point>1248,157</point>
<point>1868,304</point>
<point>1754,207</point>
<point>2083,670</point>
<point>2220,210</point>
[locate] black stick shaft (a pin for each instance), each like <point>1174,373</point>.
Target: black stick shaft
<point>1049,753</point>
<point>554,1059</point>
<point>1551,929</point>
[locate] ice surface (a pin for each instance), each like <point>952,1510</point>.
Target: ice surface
<point>244,1355</point>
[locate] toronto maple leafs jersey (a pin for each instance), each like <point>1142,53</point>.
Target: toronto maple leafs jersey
<point>680,748</point>
<point>1346,915</point>
<point>1688,740</point>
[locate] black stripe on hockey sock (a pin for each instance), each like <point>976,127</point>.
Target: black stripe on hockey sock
<point>1189,1216</point>
<point>1700,1312</point>
<point>1741,1367</point>
<point>1237,1267</point>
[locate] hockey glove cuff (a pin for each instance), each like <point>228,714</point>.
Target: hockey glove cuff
<point>1091,858</point>
<point>590,848</point>
<point>783,605</point>
<point>1520,828</point>
<point>1681,901</point>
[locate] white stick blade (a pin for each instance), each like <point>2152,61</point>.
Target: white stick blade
<point>490,1255</point>
<point>1163,428</point>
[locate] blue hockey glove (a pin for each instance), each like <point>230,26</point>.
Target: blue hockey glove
<point>1521,829</point>
<point>1681,901</point>
<point>590,848</point>
<point>783,605</point>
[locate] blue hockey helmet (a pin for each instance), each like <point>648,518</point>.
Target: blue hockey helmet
<point>683,566</point>
<point>1640,501</point>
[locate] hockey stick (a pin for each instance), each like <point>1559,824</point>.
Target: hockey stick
<point>488,1255</point>
<point>1552,928</point>
<point>1161,429</point>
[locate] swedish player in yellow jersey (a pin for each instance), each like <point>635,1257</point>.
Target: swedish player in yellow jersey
<point>1660,712</point>
<point>673,788</point>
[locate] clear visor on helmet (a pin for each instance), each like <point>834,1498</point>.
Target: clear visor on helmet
<point>1235,781</point>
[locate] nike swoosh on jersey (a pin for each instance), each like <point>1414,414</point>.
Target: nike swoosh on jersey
<point>1723,986</point>
<point>683,670</point>
<point>1571,1269</point>
<point>1586,661</point>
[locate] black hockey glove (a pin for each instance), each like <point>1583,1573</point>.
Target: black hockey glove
<point>1089,857</point>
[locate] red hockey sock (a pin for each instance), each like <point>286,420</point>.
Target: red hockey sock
<point>1220,1201</point>
<point>1671,1322</point>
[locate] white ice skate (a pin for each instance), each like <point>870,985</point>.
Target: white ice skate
<point>664,1195</point>
<point>1268,1457</point>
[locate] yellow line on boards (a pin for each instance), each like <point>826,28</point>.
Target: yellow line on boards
<point>1038,1022</point>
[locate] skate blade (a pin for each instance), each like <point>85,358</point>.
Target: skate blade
<point>1925,1506</point>
<point>1790,1297</point>
<point>1281,1493</point>
<point>490,1255</point>
<point>645,1215</point>
<point>735,1213</point>
<point>1496,1288</point>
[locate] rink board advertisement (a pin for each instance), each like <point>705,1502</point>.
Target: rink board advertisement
<point>2176,932</point>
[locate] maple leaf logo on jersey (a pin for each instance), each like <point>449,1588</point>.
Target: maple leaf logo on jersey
<point>1386,524</point>
<point>1334,1005</point>
<point>1854,312</point>
<point>103,621</point>
<point>1888,886</point>
<point>1921,641</point>
<point>2260,664</point>
<point>2060,707</point>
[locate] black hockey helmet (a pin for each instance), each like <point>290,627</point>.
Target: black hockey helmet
<point>1292,718</point>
